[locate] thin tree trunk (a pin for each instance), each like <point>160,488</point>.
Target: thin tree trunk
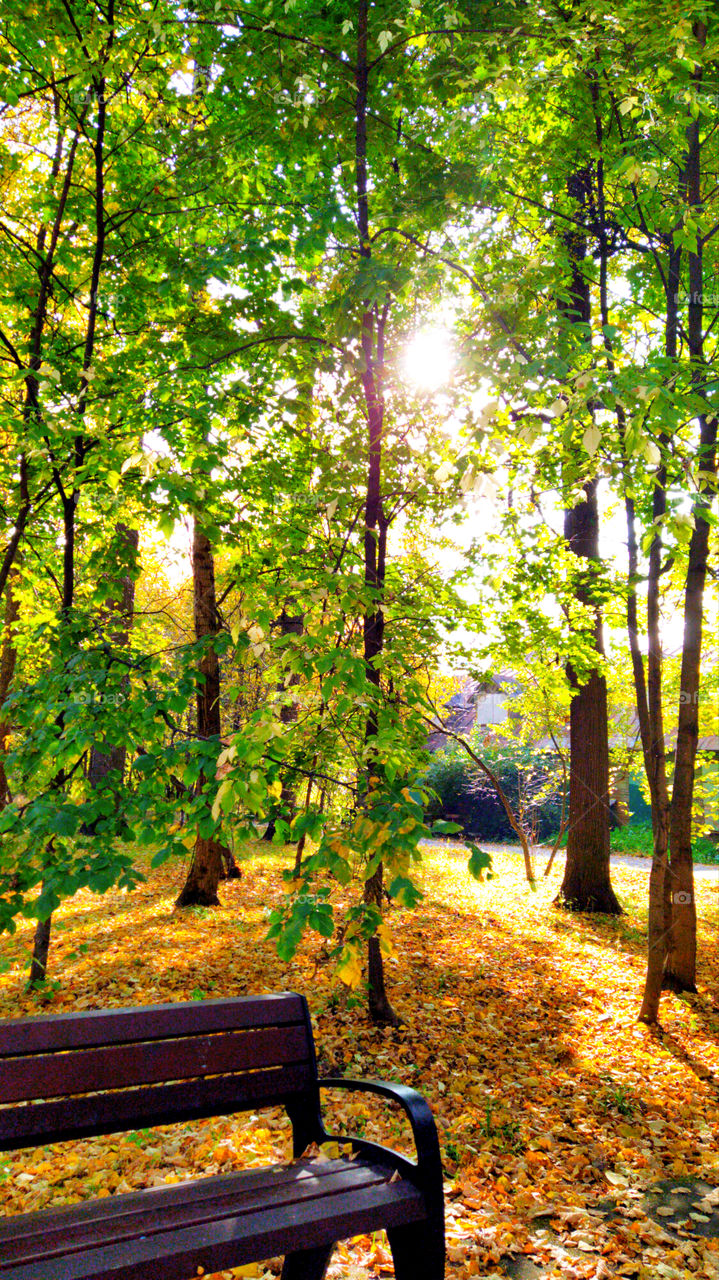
<point>288,624</point>
<point>13,546</point>
<point>7,670</point>
<point>654,755</point>
<point>649,717</point>
<point>648,685</point>
<point>40,951</point>
<point>375,537</point>
<point>672,913</point>
<point>203,877</point>
<point>513,819</point>
<point>41,939</point>
<point>45,250</point>
<point>680,969</point>
<point>649,698</point>
<point>563,819</point>
<point>32,409</point>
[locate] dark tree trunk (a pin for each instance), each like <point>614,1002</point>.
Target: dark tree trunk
<point>671,956</point>
<point>380,1009</point>
<point>41,939</point>
<point>375,538</point>
<point>586,885</point>
<point>647,683</point>
<point>7,670</point>
<point>651,720</point>
<point>672,912</point>
<point>209,855</point>
<point>13,546</point>
<point>40,951</point>
<point>118,621</point>
<point>680,969</point>
<point>288,624</point>
<point>69,498</point>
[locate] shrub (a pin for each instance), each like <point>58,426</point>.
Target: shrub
<point>530,779</point>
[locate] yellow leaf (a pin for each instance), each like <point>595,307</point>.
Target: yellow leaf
<point>349,969</point>
<point>386,945</point>
<point>216,808</point>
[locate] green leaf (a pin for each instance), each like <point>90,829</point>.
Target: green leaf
<point>405,892</point>
<point>480,863</point>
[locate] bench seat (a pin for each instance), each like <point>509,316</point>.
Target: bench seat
<point>213,1223</point>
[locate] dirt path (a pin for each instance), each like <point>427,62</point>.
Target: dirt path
<point>701,870</point>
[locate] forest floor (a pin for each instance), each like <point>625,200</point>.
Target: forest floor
<point>576,1142</point>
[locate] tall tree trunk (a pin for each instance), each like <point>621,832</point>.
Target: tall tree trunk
<point>7,670</point>
<point>41,939</point>
<point>647,684</point>
<point>375,536</point>
<point>118,619</point>
<point>651,721</point>
<point>680,969</point>
<point>203,877</point>
<point>586,885</point>
<point>69,498</point>
<point>650,707</point>
<point>672,913</point>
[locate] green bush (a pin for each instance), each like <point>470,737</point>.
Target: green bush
<point>530,780</point>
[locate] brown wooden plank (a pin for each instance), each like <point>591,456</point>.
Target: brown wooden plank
<point>116,1066</point>
<point>146,1022</point>
<point>45,1235</point>
<point>233,1241</point>
<point>181,1193</point>
<point>34,1123</point>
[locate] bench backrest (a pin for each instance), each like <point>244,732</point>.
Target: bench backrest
<point>77,1075</point>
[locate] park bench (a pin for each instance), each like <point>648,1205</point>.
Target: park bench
<point>81,1075</point>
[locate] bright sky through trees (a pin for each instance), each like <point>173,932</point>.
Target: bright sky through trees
<point>429,359</point>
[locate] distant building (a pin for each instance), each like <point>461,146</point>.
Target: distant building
<point>476,704</point>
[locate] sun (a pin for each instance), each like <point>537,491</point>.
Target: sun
<point>428,359</point>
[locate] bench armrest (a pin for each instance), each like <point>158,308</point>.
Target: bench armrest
<point>424,1129</point>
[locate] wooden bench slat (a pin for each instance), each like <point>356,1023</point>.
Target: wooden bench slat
<point>58,1121</point>
<point>185,1193</point>
<point>48,1233</point>
<point>149,1022</point>
<point>236,1239</point>
<point>85,1070</point>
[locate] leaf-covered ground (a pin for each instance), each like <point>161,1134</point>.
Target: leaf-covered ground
<point>557,1111</point>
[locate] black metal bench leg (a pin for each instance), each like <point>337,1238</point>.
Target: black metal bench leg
<point>307,1264</point>
<point>417,1252</point>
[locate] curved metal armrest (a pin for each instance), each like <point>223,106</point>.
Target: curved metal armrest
<point>424,1129</point>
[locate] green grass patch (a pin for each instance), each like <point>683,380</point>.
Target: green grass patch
<point>637,839</point>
